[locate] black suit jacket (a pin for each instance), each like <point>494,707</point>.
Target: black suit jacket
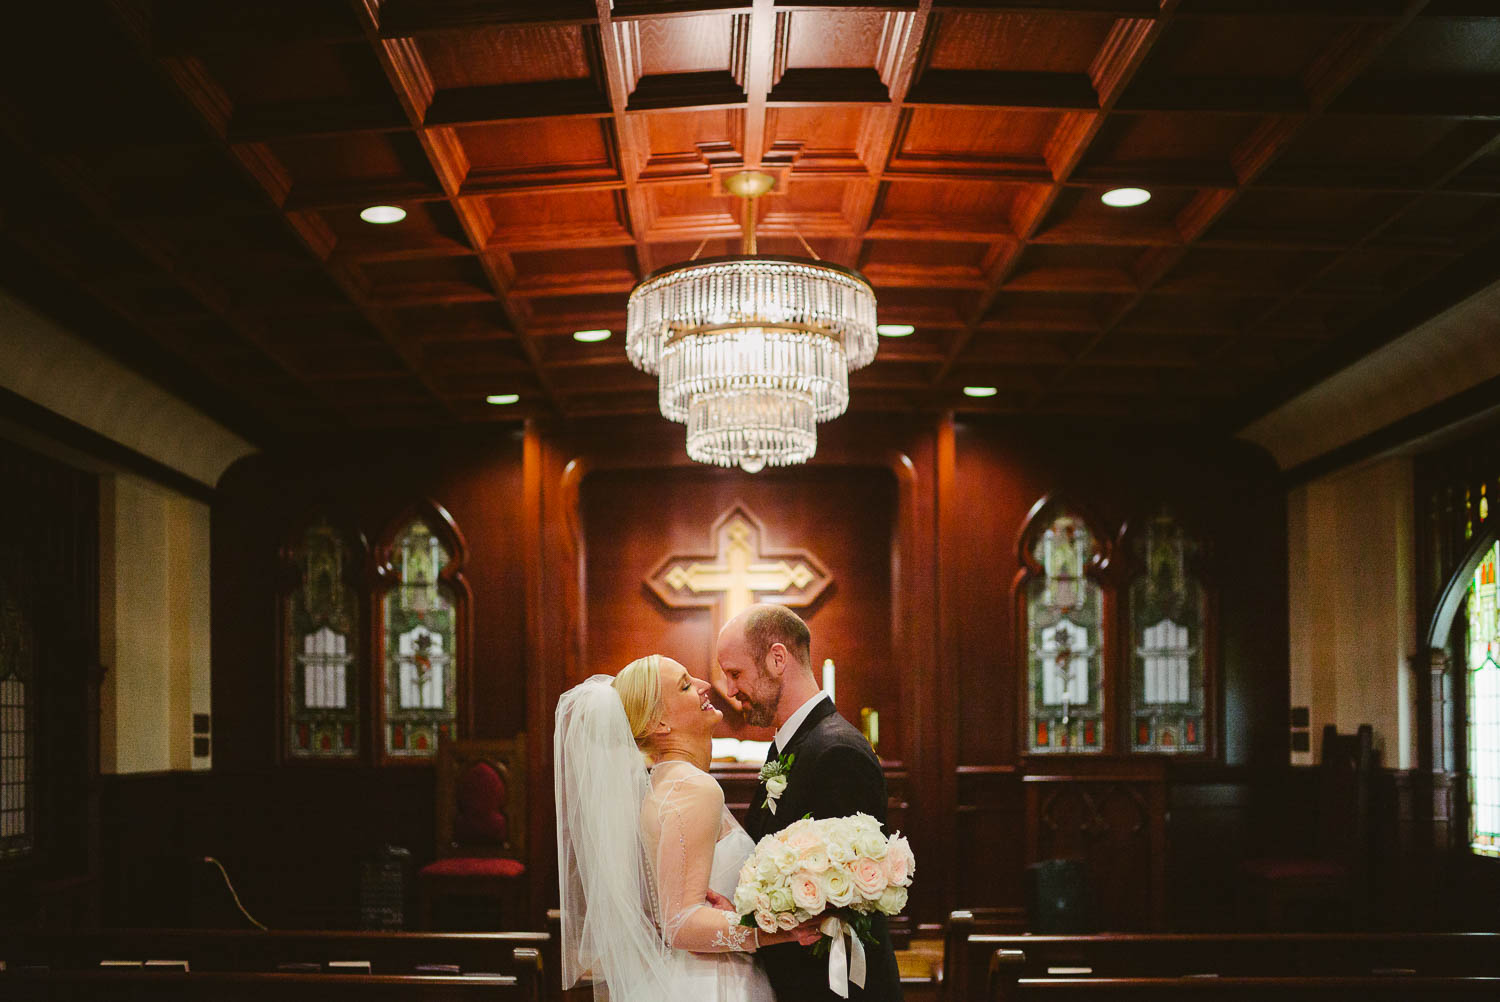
<point>835,774</point>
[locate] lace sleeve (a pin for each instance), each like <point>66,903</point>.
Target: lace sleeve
<point>689,812</point>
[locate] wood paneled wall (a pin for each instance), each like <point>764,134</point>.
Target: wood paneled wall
<point>916,518</point>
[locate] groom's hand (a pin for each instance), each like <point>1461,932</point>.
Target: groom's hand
<point>719,901</point>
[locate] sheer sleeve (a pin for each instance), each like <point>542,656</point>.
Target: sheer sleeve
<point>688,809</point>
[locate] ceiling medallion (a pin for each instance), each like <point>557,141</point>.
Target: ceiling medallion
<point>752,350</point>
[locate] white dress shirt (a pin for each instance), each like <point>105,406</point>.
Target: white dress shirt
<point>785,732</point>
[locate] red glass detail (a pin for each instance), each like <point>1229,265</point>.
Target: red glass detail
<point>1192,731</point>
<point>303,736</point>
<point>398,736</point>
<point>443,731</point>
<point>325,741</point>
<point>348,736</point>
<point>1064,736</point>
<point>1090,733</point>
<point>1168,739</point>
<point>421,741</point>
<point>1041,733</point>
<point>1142,732</point>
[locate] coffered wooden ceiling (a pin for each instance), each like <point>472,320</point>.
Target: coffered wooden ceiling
<point>185,179</point>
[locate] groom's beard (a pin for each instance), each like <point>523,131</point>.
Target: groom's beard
<point>757,715</point>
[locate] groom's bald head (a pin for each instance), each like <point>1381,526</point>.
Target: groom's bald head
<point>766,625</point>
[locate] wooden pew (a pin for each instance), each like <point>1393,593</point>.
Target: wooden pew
<point>1016,966</point>
<point>963,973</point>
<point>67,963</point>
<point>388,953</point>
<point>130,985</point>
<point>1391,988</point>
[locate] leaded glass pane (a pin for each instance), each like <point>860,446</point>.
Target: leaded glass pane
<point>322,657</point>
<point>17,768</point>
<point>420,641</point>
<point>1064,632</point>
<point>1166,642</point>
<point>1484,708</point>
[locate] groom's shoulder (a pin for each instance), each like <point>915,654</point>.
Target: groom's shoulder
<point>834,733</point>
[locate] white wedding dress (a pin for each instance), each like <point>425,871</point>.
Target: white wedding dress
<point>697,845</point>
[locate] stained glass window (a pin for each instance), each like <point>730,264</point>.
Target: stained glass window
<point>421,640</point>
<point>17,758</point>
<point>1064,633</point>
<point>1484,708</point>
<point>323,643</point>
<point>1167,613</point>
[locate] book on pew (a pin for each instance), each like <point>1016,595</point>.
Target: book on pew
<point>173,965</point>
<point>453,969</point>
<point>122,963</point>
<point>349,966</point>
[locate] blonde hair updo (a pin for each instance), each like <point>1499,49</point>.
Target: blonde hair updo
<point>639,687</point>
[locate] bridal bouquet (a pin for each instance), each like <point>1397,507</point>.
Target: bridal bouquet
<point>844,869</point>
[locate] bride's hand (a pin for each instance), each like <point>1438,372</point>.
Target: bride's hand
<point>719,901</point>
<point>806,934</point>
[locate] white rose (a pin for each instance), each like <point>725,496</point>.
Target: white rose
<point>814,861</point>
<point>766,920</point>
<point>784,858</point>
<point>870,844</point>
<point>837,886</point>
<point>892,900</point>
<point>775,786</point>
<point>744,899</point>
<point>780,899</point>
<point>765,868</point>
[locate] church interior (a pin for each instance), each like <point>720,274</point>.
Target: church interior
<point>1135,484</point>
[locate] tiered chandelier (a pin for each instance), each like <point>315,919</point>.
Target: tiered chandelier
<point>752,351</point>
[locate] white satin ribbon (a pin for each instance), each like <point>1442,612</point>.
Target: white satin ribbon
<point>844,964</point>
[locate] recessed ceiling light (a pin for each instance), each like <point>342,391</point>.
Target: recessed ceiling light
<point>500,399</point>
<point>894,330</point>
<point>591,336</point>
<point>1124,198</point>
<point>383,214</point>
<point>980,391</point>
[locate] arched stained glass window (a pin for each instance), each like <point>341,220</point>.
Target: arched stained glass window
<point>1064,635</point>
<point>423,632</point>
<point>1167,643</point>
<point>17,742</point>
<point>1484,707</point>
<point>322,637</point>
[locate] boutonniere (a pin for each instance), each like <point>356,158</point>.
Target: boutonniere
<point>773,775</point>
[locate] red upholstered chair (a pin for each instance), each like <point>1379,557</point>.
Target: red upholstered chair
<point>481,827</point>
<point>1328,888</point>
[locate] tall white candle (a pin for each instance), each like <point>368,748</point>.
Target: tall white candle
<point>828,678</point>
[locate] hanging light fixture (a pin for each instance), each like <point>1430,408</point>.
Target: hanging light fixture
<point>752,351</point>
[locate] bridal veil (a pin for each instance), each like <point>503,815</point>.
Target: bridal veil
<point>606,880</point>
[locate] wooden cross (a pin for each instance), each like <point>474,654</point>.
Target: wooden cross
<point>737,573</point>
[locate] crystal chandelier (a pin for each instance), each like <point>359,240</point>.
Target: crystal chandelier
<point>752,351</point>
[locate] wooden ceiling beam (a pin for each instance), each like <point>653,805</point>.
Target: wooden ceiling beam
<point>1330,75</point>
<point>406,18</point>
<point>1470,151</point>
<point>1114,67</point>
<point>203,361</point>
<point>215,110</point>
<point>410,80</point>
<point>91,194</point>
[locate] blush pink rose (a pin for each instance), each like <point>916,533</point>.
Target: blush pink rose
<point>900,864</point>
<point>807,892</point>
<point>869,877</point>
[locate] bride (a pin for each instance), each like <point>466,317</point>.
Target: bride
<point>647,859</point>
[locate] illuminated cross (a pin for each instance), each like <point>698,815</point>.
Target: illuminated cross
<point>738,573</point>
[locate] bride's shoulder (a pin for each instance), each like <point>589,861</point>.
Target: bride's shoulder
<point>686,778</point>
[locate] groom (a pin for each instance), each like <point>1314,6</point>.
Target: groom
<point>765,653</point>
